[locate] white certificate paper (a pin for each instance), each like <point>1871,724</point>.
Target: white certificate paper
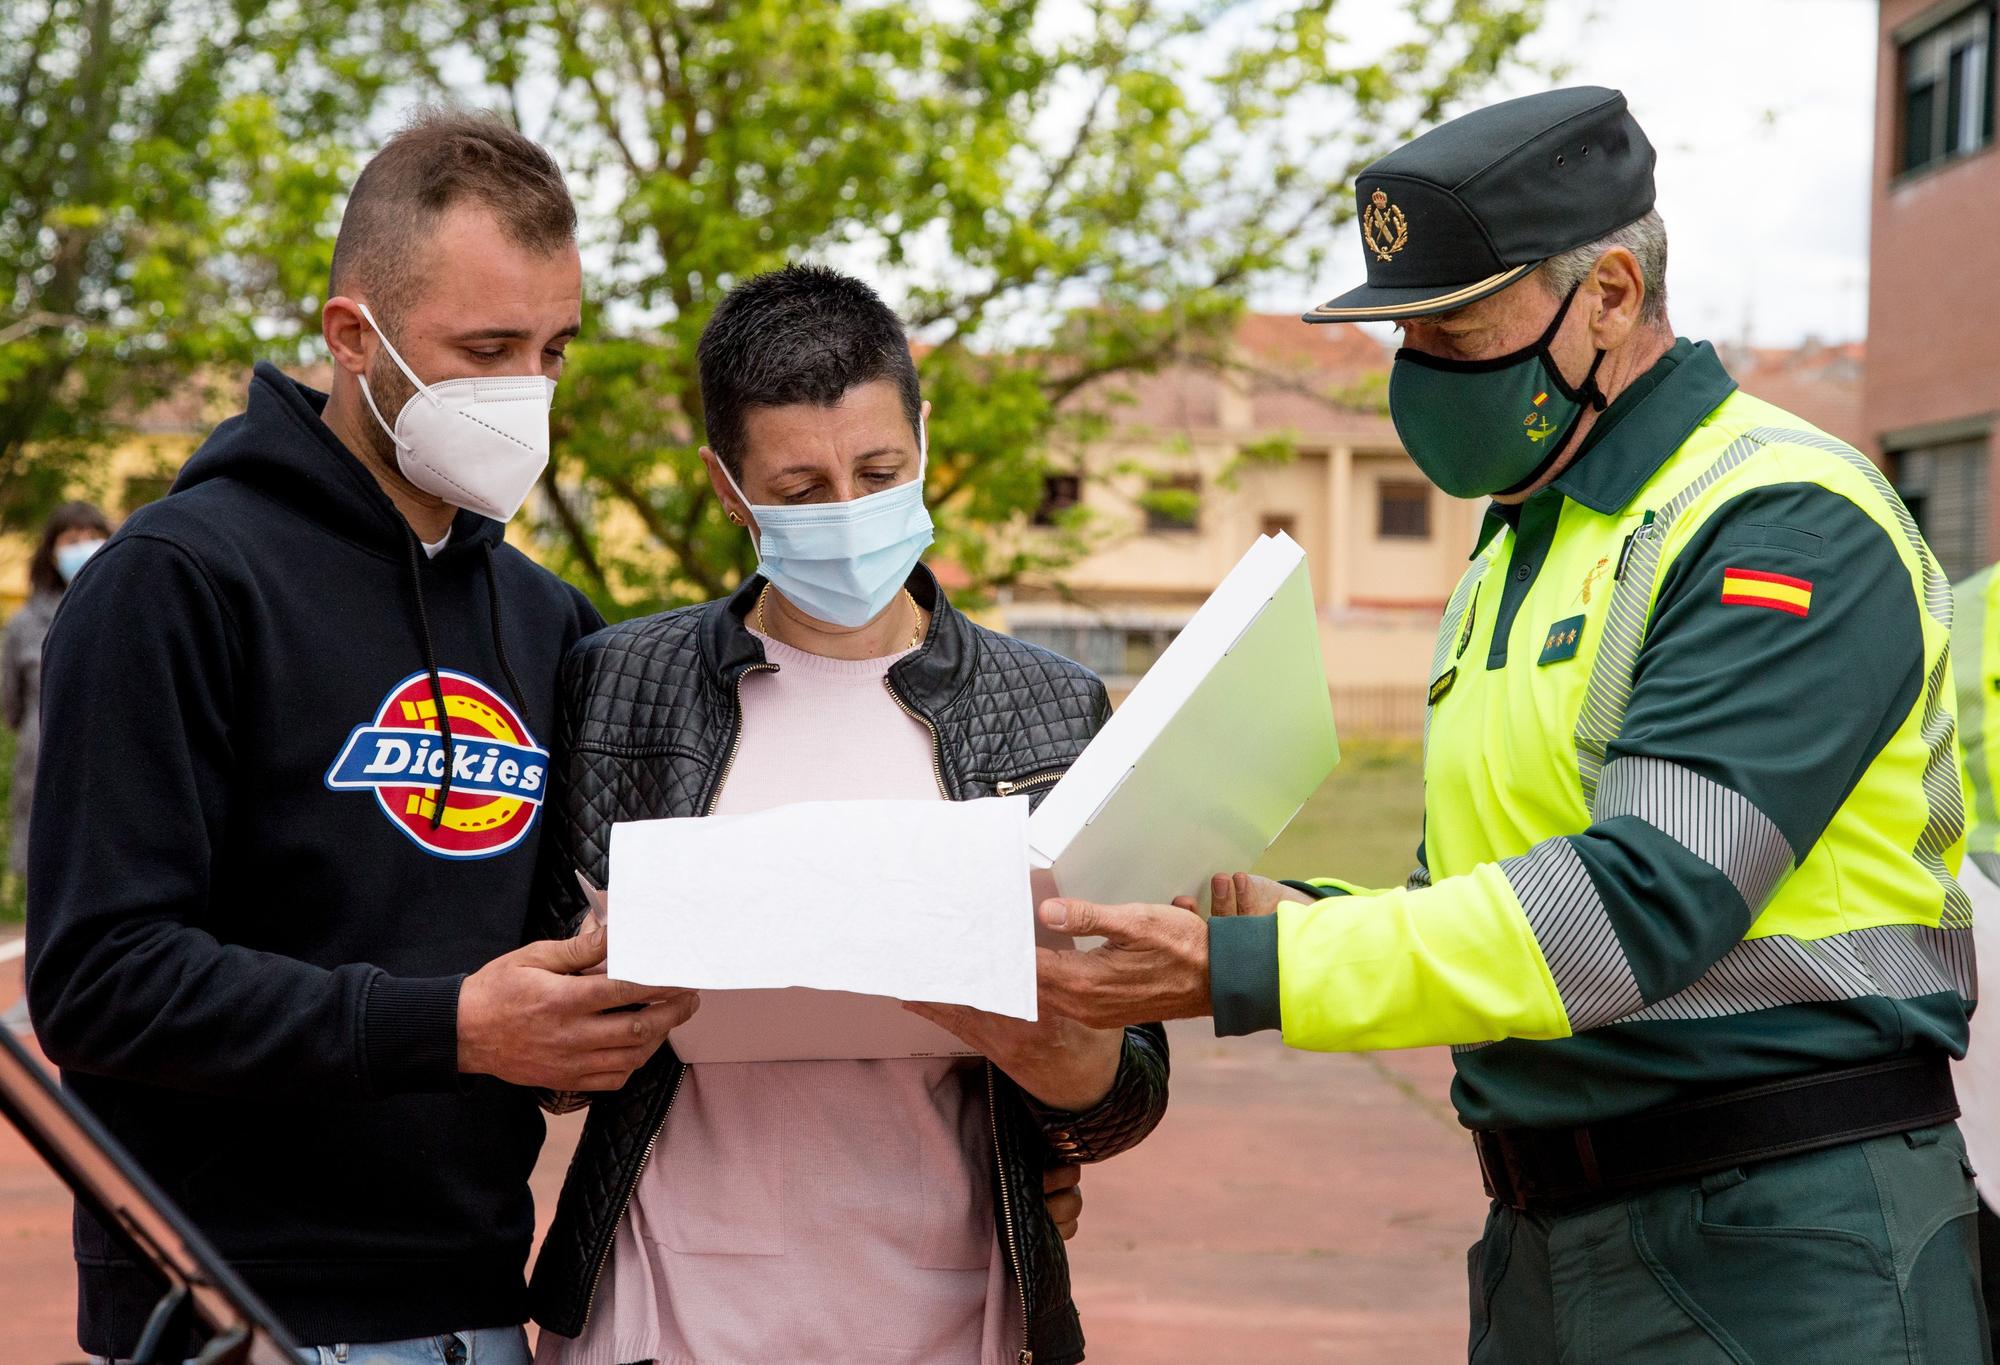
<point>915,900</point>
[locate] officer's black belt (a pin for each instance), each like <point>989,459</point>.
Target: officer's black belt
<point>1554,1169</point>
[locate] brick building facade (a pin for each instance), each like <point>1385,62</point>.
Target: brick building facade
<point>1931,393</point>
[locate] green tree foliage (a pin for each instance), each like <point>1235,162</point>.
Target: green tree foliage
<point>167,174</point>
<point>1063,195</point>
<point>1129,170</point>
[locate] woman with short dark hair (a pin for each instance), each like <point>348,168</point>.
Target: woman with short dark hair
<point>796,1212</point>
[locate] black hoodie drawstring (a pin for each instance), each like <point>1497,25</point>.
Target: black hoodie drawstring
<point>500,636</point>
<point>430,659</point>
<point>437,683</point>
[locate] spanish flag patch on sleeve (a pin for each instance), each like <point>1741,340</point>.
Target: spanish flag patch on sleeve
<point>1755,588</point>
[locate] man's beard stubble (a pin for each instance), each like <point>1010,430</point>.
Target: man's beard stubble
<point>392,389</point>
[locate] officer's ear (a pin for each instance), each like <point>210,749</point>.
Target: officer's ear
<point>1620,289</point>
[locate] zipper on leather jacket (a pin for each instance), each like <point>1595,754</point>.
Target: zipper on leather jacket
<point>1008,786</point>
<point>1027,1356</point>
<point>735,736</point>
<point>937,740</point>
<point>604,1255</point>
<point>597,1275</point>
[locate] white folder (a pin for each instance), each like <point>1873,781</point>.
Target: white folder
<point>1210,757</point>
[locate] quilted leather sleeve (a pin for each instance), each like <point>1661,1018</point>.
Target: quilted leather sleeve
<point>1121,1120</point>
<point>641,726</point>
<point>1026,713</point>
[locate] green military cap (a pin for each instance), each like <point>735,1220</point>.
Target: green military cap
<point>1476,203</point>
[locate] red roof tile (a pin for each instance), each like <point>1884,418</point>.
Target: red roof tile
<point>1283,376</point>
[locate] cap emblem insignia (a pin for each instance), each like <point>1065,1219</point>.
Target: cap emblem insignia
<point>1383,227</point>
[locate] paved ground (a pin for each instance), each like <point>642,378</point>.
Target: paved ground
<point>1291,1208</point>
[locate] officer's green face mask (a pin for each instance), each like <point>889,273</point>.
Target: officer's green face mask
<point>1481,427</point>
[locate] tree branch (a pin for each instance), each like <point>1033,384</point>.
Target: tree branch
<point>29,323</point>
<point>575,532</point>
<point>672,538</point>
<point>607,115</point>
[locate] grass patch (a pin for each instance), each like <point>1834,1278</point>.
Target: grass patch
<point>1363,824</point>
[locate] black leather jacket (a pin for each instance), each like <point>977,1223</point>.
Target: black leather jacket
<point>650,712</point>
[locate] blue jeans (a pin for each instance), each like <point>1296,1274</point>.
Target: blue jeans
<point>485,1346</point>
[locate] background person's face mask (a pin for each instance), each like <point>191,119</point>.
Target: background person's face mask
<point>479,443</point>
<point>1480,427</point>
<point>70,557</point>
<point>844,562</point>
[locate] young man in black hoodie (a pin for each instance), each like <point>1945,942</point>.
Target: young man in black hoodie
<point>296,731</point>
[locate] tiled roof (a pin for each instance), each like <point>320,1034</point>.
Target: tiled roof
<point>1821,383</point>
<point>1282,376</point>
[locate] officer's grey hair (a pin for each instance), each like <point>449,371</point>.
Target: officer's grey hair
<point>1645,238</point>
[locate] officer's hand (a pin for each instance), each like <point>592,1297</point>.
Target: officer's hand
<point>1153,965</point>
<point>534,1018</point>
<point>1063,1187</point>
<point>1248,894</point>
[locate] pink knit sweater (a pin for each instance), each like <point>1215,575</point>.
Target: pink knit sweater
<point>799,1212</point>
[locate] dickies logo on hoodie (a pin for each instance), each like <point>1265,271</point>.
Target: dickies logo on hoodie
<point>498,772</point>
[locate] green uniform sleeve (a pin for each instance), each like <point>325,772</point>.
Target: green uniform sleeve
<point>1243,955</point>
<point>1730,764</point>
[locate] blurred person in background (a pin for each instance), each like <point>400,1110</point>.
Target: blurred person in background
<point>71,535</point>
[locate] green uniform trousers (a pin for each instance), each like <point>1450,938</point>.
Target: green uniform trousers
<point>1857,1254</point>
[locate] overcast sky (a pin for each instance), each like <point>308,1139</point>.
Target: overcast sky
<point>1763,115</point>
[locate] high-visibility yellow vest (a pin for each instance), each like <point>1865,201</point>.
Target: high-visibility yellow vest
<point>1600,924</point>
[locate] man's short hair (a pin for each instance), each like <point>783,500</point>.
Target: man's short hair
<point>1645,238</point>
<point>803,334</point>
<point>441,158</point>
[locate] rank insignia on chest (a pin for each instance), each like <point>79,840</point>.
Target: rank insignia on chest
<point>1559,642</point>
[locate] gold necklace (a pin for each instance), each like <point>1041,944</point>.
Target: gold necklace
<point>916,616</point>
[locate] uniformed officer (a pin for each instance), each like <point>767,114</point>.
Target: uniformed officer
<point>1685,905</point>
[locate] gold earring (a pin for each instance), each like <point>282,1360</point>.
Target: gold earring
<point>738,520</point>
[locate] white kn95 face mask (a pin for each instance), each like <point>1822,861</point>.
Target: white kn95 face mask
<point>479,443</point>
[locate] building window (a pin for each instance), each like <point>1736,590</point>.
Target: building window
<point>1945,80</point>
<point>1402,510</point>
<point>1109,649</point>
<point>1944,486</point>
<point>1060,492</point>
<point>1278,524</point>
<point>1173,504</point>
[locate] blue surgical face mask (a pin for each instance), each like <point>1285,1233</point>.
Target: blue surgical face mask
<point>69,558</point>
<point>844,562</point>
